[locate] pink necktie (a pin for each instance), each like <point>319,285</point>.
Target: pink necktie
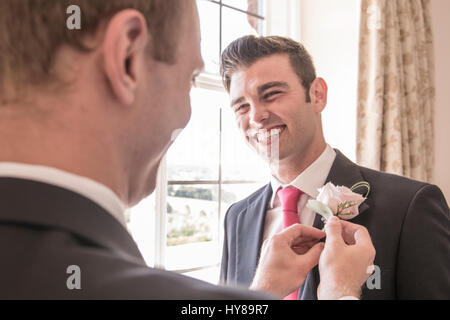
<point>289,199</point>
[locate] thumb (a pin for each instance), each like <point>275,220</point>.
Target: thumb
<point>310,259</point>
<point>362,236</point>
<point>333,229</point>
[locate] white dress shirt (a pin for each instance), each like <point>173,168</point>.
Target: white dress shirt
<point>311,179</point>
<point>96,192</point>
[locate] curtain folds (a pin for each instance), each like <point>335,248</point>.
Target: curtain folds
<point>395,125</point>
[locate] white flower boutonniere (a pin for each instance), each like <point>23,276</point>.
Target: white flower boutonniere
<point>338,201</point>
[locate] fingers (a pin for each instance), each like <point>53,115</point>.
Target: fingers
<point>303,247</point>
<point>354,233</point>
<point>362,236</point>
<point>302,241</point>
<point>351,234</point>
<point>296,231</point>
<point>333,230</point>
<point>350,227</point>
<point>348,232</point>
<point>311,258</point>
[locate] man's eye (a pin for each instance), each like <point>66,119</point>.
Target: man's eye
<point>241,107</point>
<point>271,94</point>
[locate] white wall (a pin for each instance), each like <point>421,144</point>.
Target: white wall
<point>440,15</point>
<point>330,32</point>
<point>329,29</point>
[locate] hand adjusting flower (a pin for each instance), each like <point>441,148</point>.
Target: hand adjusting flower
<point>338,201</point>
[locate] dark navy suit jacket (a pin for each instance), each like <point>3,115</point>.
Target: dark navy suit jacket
<point>408,222</point>
<point>45,229</point>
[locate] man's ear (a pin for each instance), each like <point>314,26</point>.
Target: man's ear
<point>125,41</point>
<point>319,94</point>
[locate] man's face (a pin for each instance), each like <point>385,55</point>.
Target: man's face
<point>171,83</point>
<point>270,106</point>
<point>164,100</point>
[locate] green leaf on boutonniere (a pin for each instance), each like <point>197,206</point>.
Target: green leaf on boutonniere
<point>320,208</point>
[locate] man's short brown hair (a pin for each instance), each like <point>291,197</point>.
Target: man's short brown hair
<point>31,31</point>
<point>246,50</point>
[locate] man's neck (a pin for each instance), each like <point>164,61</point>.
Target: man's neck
<point>59,147</point>
<point>290,168</point>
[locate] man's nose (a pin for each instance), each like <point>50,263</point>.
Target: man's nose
<point>258,114</point>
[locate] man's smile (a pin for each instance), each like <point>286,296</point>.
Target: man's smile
<point>265,136</point>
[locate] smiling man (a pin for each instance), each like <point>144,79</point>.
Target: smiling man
<point>278,99</point>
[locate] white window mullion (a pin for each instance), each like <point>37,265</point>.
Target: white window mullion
<point>282,18</point>
<point>159,234</point>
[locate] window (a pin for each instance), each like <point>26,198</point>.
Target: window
<point>209,167</point>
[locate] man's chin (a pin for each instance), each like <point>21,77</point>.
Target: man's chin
<point>268,152</point>
<point>144,186</point>
<point>142,194</point>
<point>151,181</point>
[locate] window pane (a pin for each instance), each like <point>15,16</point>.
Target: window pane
<point>191,213</point>
<point>232,193</point>
<point>210,27</point>
<point>236,24</point>
<point>210,253</point>
<point>195,153</point>
<point>239,162</point>
<point>210,274</point>
<point>193,255</point>
<point>141,226</point>
<point>253,6</point>
<point>192,218</point>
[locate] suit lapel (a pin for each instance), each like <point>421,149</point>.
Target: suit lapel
<point>346,173</point>
<point>342,173</point>
<point>249,234</point>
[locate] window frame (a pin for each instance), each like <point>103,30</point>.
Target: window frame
<point>207,81</point>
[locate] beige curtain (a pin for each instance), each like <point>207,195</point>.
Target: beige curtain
<point>395,126</point>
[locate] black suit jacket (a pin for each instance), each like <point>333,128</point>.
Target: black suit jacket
<point>408,222</point>
<point>45,229</point>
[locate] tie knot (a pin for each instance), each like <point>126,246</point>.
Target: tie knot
<point>289,198</point>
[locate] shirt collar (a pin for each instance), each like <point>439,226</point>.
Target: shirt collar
<point>311,179</point>
<point>86,187</point>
